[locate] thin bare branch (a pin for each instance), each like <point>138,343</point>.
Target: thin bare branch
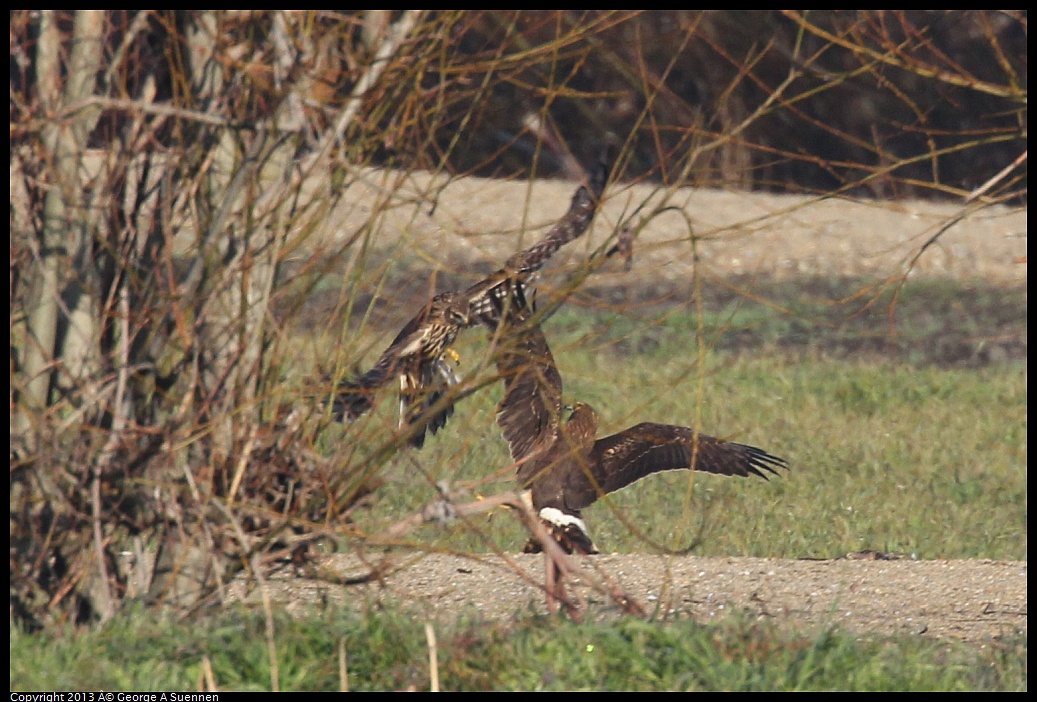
<point>898,60</point>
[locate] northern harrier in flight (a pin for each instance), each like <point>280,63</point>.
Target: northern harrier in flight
<point>562,463</point>
<point>417,356</point>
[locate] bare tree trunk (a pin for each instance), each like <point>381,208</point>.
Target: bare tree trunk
<point>239,251</point>
<point>65,235</point>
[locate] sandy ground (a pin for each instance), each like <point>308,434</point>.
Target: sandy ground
<point>976,601</point>
<point>475,224</point>
<point>471,223</point>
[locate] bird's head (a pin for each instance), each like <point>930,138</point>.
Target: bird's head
<point>458,314</point>
<point>582,421</point>
<point>577,409</point>
<point>453,308</point>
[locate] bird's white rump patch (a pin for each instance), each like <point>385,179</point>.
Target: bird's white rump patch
<point>561,519</point>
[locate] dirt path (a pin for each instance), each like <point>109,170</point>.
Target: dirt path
<point>973,600</point>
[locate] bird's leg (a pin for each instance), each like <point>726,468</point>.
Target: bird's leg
<point>554,585</point>
<point>556,567</point>
<point>556,564</point>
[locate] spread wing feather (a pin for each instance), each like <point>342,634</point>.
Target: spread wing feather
<point>624,458</point>
<point>529,411</point>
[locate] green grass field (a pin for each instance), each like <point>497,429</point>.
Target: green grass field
<point>896,447</point>
<point>390,651</point>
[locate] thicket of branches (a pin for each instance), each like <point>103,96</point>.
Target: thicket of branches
<point>164,165</point>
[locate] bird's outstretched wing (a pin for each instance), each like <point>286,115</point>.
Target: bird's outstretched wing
<point>528,414</point>
<point>355,397</point>
<point>622,459</point>
<point>572,226</point>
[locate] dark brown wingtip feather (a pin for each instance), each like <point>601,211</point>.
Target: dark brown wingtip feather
<point>587,196</point>
<point>352,400</point>
<point>602,169</point>
<point>416,416</point>
<point>758,461</point>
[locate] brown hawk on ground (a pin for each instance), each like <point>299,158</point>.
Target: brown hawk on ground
<point>562,463</point>
<point>417,354</point>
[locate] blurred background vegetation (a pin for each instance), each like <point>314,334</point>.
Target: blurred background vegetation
<point>167,166</point>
